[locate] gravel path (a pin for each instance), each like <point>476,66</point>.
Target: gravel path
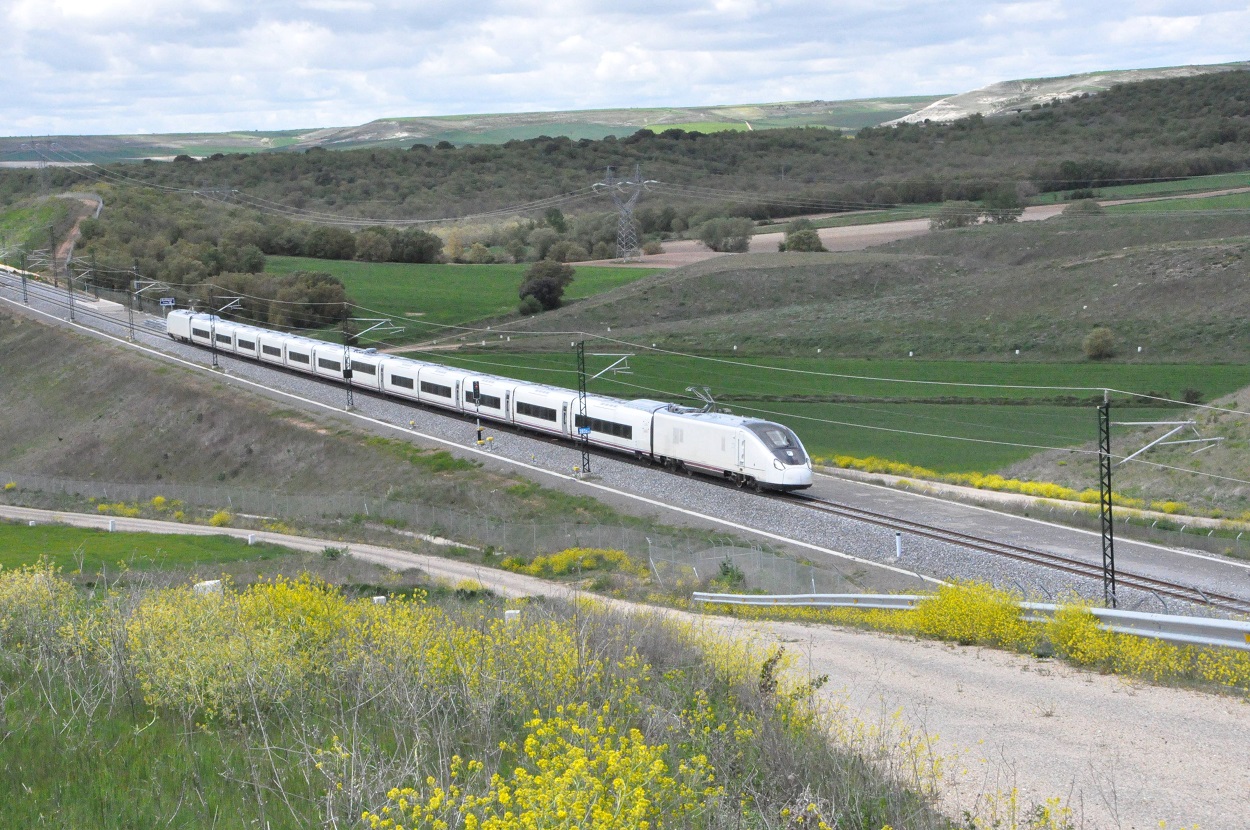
<point>1119,754</point>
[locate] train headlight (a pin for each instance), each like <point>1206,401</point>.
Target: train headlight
<point>778,464</point>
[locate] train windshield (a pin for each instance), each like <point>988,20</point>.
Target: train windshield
<point>783,443</point>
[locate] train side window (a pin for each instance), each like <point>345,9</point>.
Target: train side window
<point>200,333</point>
<point>271,350</point>
<point>544,413</point>
<point>435,389</point>
<point>247,344</point>
<point>297,357</point>
<point>364,368</point>
<point>401,381</point>
<point>223,338</point>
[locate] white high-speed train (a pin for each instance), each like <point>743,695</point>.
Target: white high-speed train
<point>747,451</point>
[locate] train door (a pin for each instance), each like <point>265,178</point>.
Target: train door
<point>742,452</point>
<point>564,418</point>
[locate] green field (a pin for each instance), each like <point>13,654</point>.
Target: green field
<point>930,413</point>
<point>445,294</point>
<point>1231,201</point>
<point>862,217</point>
<point>93,551</point>
<point>1198,184</point>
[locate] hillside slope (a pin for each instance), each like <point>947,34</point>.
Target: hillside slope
<point>1014,96</point>
<point>1177,286</point>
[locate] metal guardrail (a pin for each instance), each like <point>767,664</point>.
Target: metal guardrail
<point>1191,631</point>
<point>897,602</point>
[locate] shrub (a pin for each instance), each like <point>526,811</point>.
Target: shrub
<point>727,235</point>
<point>955,215</point>
<point>12,485</point>
<point>652,247</point>
<point>1083,207</point>
<point>1099,344</point>
<point>803,240</point>
<point>221,518</point>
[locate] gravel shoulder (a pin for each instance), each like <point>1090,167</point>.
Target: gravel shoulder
<point>1120,754</point>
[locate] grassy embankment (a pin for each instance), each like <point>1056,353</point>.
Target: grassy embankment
<point>293,703</point>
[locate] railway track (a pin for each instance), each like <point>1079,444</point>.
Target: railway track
<point>1076,567</point>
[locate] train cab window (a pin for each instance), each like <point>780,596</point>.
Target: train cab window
<point>483,399</point>
<point>327,363</point>
<point>200,333</point>
<point>543,413</point>
<point>364,368</point>
<point>297,357</point>
<point>247,344</point>
<point>783,443</point>
<point>401,381</point>
<point>273,351</point>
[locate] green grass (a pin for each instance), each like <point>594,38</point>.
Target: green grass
<point>26,228</point>
<point>1197,184</point>
<point>701,127</point>
<point>863,217</point>
<point>446,294</point>
<point>1231,201</point>
<point>898,380</point>
<point>925,424</point>
<point>91,551</point>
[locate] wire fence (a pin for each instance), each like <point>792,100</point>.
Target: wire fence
<point>674,555</point>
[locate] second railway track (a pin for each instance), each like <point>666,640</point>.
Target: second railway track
<point>1067,564</point>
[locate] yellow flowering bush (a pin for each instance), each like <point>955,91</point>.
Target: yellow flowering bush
<point>574,771</point>
<point>221,518</point>
<point>981,481</point>
<point>129,511</point>
<point>576,560</point>
<point>10,485</point>
<point>978,614</point>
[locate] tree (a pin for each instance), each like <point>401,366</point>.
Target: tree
<point>372,246</point>
<point>544,284</point>
<point>330,243</point>
<point>732,235</point>
<point>1099,344</point>
<point>555,218</point>
<point>416,245</point>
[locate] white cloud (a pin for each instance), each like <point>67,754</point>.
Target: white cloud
<point>89,66</point>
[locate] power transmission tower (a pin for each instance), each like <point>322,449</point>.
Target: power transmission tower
<point>625,193</point>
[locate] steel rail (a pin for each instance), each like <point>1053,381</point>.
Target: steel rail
<point>1067,564</point>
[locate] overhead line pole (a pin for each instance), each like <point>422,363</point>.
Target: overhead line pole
<point>1104,480</point>
<point>583,422</point>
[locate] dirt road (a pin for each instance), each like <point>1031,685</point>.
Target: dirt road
<point>1120,754</point>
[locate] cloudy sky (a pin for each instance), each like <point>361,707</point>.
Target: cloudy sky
<point>74,67</point>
